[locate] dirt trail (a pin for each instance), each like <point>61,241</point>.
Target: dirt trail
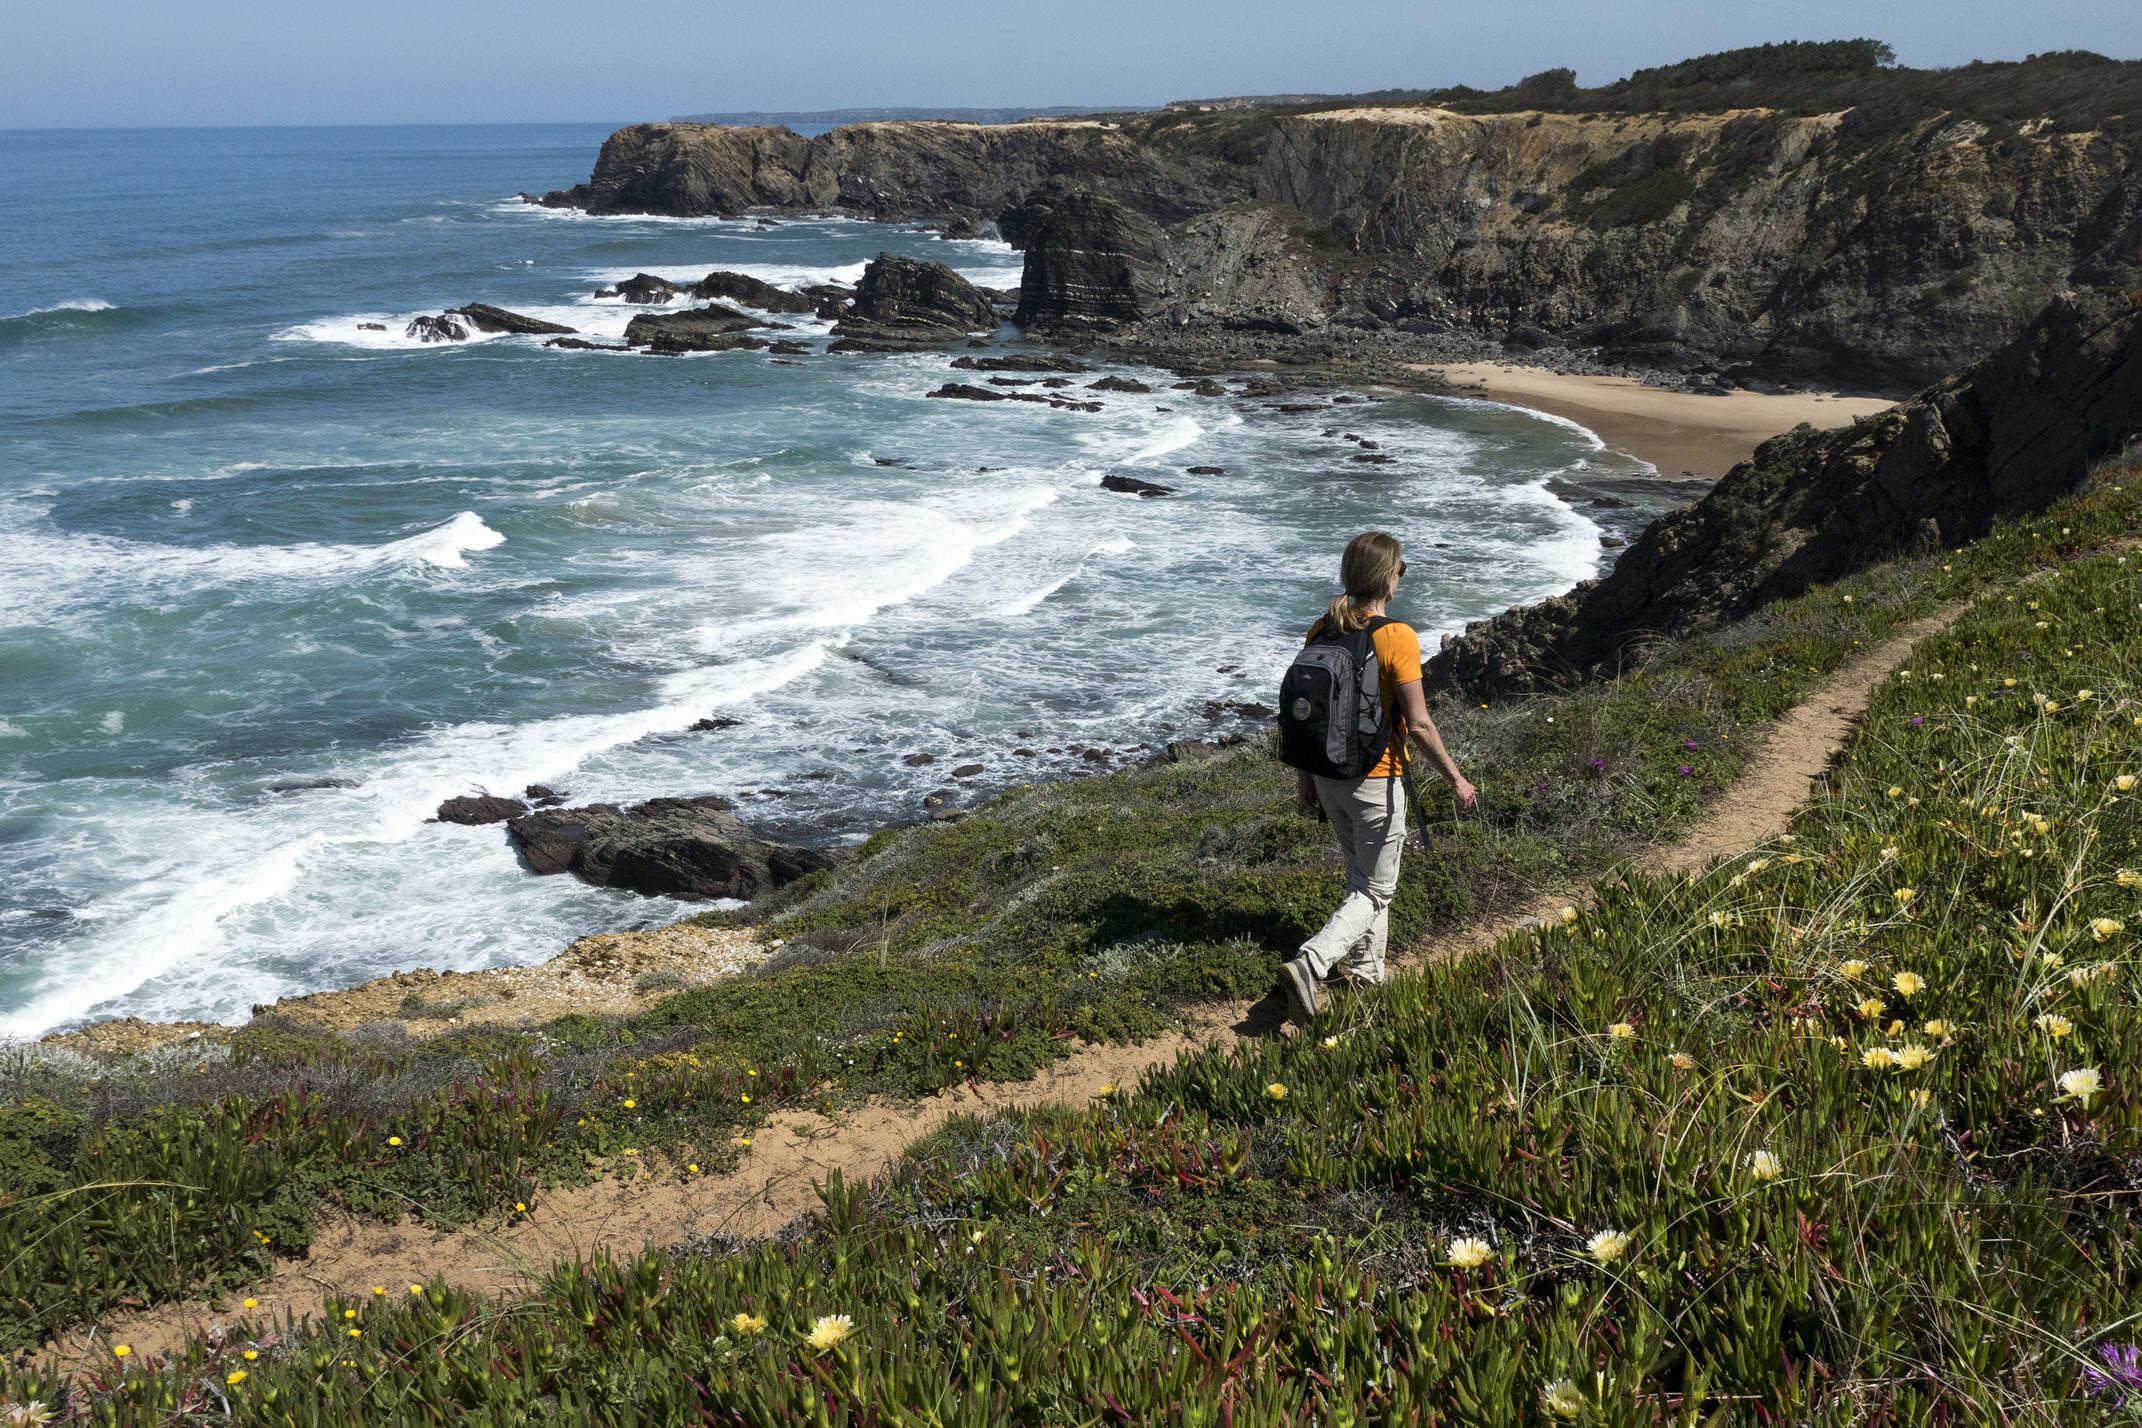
<point>795,1150</point>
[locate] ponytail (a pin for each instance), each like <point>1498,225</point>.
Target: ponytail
<point>1369,570</point>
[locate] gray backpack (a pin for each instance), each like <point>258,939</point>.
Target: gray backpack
<point>1331,716</point>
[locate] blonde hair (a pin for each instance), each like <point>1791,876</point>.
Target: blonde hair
<point>1369,570</point>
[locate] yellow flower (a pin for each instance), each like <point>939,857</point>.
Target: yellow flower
<point>1607,1246</point>
<point>1911,1057</point>
<point>1621,1031</point>
<point>234,1377</point>
<point>1922,1098</point>
<point>252,1303</point>
<point>1764,1165</point>
<point>2125,783</point>
<point>692,1168</point>
<point>1470,1252</point>
<point>379,1290</point>
<point>1878,1058</point>
<point>250,1354</point>
<point>1905,895</point>
<point>416,1289</point>
<point>830,1331</point>
<point>1896,791</point>
<point>2082,1084</point>
<point>356,1333</point>
<point>1937,1027</point>
<point>1682,1061</point>
<point>1871,1007</point>
<point>1908,984</point>
<point>1569,916</point>
<point>1561,1398</point>
<point>631,1104</point>
<point>1895,1027</point>
<point>2054,1025</point>
<point>2008,684</point>
<point>2104,929</point>
<point>349,1313</point>
<point>1276,1091</point>
<point>745,1098</point>
<point>520,1207</point>
<point>1108,1088</point>
<point>744,1325</point>
<point>1853,970</point>
<point>1331,1043</point>
<point>120,1351</point>
<point>394,1140</point>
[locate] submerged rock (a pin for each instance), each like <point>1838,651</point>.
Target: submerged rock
<point>1132,486</point>
<point>691,848</point>
<point>436,329</point>
<point>643,289</point>
<point>1021,362</point>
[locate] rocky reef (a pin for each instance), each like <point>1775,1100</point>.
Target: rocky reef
<point>2011,433</point>
<point>672,847</point>
<point>904,305</point>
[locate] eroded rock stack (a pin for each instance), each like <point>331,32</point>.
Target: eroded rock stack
<point>904,305</point>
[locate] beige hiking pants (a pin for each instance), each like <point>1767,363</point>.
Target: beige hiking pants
<point>1368,817</point>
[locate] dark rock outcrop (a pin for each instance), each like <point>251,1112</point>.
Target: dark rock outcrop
<point>644,290</point>
<point>752,292</point>
<point>701,329</point>
<point>581,344</point>
<point>486,318</point>
<point>2011,433</point>
<point>690,848</point>
<point>905,305</point>
<point>1021,362</point>
<point>1118,384</point>
<point>1132,486</point>
<point>436,329</point>
<point>475,809</point>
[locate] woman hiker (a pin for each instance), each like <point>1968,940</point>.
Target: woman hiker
<point>1367,811</point>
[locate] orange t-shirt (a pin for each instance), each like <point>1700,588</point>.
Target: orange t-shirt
<point>1398,661</point>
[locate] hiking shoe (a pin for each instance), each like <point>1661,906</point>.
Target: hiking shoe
<point>1299,984</point>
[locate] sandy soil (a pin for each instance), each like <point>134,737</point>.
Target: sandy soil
<point>794,1151</point>
<point>1678,433</point>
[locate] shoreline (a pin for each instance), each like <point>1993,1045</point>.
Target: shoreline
<point>608,973</point>
<point>1676,433</point>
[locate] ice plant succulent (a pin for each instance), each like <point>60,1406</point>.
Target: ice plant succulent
<point>2081,1084</point>
<point>1607,1246</point>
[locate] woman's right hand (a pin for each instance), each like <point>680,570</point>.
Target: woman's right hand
<point>1467,794</point>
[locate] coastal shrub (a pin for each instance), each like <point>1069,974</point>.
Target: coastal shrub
<point>1841,1128</point>
<point>976,950</point>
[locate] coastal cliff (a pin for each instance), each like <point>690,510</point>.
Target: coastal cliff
<point>1874,229</point>
<point>2010,435</point>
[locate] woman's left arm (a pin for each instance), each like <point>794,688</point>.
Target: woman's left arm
<point>1414,705</point>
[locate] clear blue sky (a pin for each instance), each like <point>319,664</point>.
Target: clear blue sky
<point>157,62</point>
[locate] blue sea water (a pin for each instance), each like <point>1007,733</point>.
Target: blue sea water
<point>273,584</point>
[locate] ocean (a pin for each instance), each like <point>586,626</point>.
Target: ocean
<point>273,584</point>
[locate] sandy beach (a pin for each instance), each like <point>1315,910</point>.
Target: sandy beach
<point>1679,433</point>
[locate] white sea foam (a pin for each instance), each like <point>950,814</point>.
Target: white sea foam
<point>70,305</point>
<point>171,921</point>
<point>11,730</point>
<point>348,330</point>
<point>1033,599</point>
<point>40,568</point>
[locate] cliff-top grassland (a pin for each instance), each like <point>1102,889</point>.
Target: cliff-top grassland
<point>1839,1127</point>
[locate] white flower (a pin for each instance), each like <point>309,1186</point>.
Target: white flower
<point>1470,1252</point>
<point>2081,1085</point>
<point>1764,1165</point>
<point>1562,1399</point>
<point>1607,1246</point>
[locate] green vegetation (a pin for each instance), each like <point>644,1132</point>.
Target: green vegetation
<point>1840,1130</point>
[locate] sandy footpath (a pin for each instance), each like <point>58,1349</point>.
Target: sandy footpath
<point>1680,433</point>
